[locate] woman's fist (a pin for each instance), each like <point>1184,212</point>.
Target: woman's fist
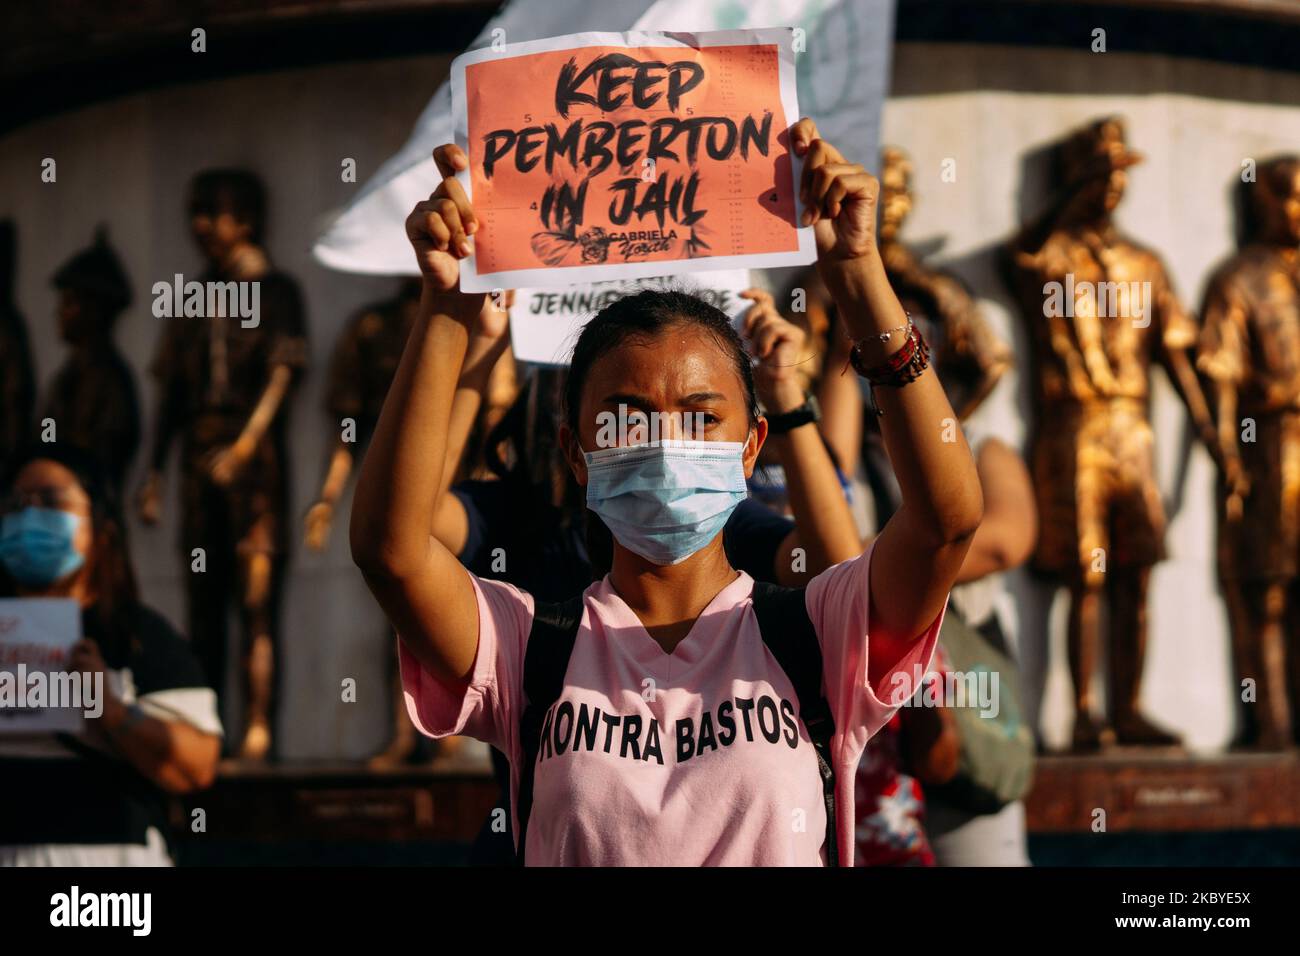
<point>839,197</point>
<point>440,226</point>
<point>779,347</point>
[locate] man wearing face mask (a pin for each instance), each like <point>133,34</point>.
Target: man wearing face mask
<point>98,799</point>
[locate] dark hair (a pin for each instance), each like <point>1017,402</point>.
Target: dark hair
<point>236,191</point>
<point>523,447</point>
<point>524,442</point>
<point>641,316</point>
<point>112,580</point>
<point>96,273</point>
<point>646,315</point>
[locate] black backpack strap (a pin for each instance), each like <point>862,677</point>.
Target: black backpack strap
<point>546,661</point>
<point>789,634</point>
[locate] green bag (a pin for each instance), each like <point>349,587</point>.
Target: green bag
<point>996,764</point>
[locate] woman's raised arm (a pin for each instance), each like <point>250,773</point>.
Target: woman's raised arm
<point>920,550</point>
<point>424,590</point>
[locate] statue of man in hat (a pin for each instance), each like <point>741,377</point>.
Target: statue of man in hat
<point>92,400</point>
<point>1250,352</point>
<point>1101,310</point>
<point>224,386</point>
<point>968,357</point>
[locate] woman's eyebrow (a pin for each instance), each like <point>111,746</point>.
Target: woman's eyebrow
<point>641,401</point>
<point>702,398</point>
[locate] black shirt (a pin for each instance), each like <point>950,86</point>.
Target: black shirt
<point>77,793</point>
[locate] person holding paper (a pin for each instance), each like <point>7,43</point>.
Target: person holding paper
<point>533,508</point>
<point>97,800</point>
<point>670,733</point>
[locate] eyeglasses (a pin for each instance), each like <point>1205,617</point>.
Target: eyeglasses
<point>61,499</point>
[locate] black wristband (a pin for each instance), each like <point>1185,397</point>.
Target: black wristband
<point>805,414</point>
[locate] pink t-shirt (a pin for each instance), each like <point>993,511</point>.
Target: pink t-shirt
<point>694,758</point>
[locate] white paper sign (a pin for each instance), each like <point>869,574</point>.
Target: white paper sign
<point>36,636</point>
<point>544,323</point>
<point>598,157</point>
<point>843,69</point>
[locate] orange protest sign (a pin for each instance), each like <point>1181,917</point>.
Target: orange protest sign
<point>602,156</point>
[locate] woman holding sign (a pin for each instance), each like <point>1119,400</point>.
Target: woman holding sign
<point>98,798</point>
<point>676,713</point>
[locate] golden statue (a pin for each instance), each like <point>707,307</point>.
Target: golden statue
<point>968,358</point>
<point>1250,352</point>
<point>1101,309</point>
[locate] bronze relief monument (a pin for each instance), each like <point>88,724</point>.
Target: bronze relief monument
<point>1101,310</point>
<point>1250,352</point>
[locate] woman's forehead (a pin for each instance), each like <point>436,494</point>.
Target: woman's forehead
<point>678,362</point>
<point>46,473</point>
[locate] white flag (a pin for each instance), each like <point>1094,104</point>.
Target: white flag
<point>842,61</point>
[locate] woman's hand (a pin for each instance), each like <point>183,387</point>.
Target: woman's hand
<point>840,203</point>
<point>173,754</point>
<point>839,197</point>
<point>779,346</point>
<point>440,226</point>
<point>86,658</point>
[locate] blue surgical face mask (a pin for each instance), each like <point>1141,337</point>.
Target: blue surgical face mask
<point>37,545</point>
<point>666,500</point>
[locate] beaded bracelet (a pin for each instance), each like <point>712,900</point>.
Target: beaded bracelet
<point>901,368</point>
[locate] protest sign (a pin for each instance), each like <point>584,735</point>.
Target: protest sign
<point>842,51</point>
<point>599,157</point>
<point>544,323</point>
<point>36,636</point>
